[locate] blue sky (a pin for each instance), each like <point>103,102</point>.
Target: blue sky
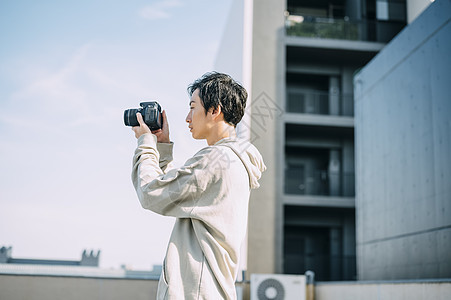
<point>68,69</point>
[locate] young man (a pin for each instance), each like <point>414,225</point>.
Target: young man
<point>209,195</point>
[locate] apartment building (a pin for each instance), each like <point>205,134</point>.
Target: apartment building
<point>326,42</point>
<point>299,68</point>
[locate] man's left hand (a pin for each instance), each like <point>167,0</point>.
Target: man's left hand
<point>161,134</point>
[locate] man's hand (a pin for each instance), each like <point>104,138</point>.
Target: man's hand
<point>161,134</point>
<point>142,128</point>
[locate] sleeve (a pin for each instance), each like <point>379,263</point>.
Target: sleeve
<point>165,151</point>
<point>174,193</point>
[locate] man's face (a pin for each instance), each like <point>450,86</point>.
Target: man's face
<point>198,122</point>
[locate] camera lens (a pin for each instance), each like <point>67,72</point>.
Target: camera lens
<point>130,117</point>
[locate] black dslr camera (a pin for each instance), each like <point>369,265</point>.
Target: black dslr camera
<point>151,112</point>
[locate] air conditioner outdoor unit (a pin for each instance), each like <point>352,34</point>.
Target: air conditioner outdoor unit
<point>277,287</point>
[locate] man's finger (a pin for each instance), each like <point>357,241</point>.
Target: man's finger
<point>165,119</point>
<point>139,117</point>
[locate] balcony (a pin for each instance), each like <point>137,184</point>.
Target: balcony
<point>326,267</point>
<point>320,103</point>
<point>319,183</point>
<point>326,28</point>
<point>342,29</point>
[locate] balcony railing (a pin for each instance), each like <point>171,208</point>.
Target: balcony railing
<point>322,103</point>
<point>319,183</point>
<point>326,267</point>
<point>326,28</point>
<point>342,29</point>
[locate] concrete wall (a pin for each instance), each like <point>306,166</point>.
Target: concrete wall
<point>252,26</point>
<point>268,62</point>
<point>233,59</point>
<point>252,51</point>
<point>383,290</point>
<point>403,153</point>
<point>17,287</point>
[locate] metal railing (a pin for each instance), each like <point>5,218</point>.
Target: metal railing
<point>319,183</point>
<point>343,29</point>
<point>322,103</point>
<point>326,267</point>
<point>330,28</point>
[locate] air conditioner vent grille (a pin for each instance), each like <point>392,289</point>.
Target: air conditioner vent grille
<point>270,289</point>
<point>277,287</point>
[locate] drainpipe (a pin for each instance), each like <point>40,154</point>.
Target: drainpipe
<point>310,285</point>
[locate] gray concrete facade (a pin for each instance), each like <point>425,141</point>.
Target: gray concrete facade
<point>403,153</point>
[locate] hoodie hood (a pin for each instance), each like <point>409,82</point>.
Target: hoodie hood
<point>249,155</point>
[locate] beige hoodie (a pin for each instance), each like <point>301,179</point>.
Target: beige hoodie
<point>209,196</point>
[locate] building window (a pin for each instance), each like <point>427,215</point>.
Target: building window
<point>319,161</point>
<point>391,10</point>
<point>317,94</point>
<point>320,240</point>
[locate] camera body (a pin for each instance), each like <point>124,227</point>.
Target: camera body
<point>151,113</point>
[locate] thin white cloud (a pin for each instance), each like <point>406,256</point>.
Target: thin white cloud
<point>159,10</point>
<point>77,91</point>
<point>56,86</point>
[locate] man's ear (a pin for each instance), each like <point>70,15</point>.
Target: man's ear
<point>215,112</point>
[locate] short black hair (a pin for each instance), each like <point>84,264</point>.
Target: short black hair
<point>219,89</point>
